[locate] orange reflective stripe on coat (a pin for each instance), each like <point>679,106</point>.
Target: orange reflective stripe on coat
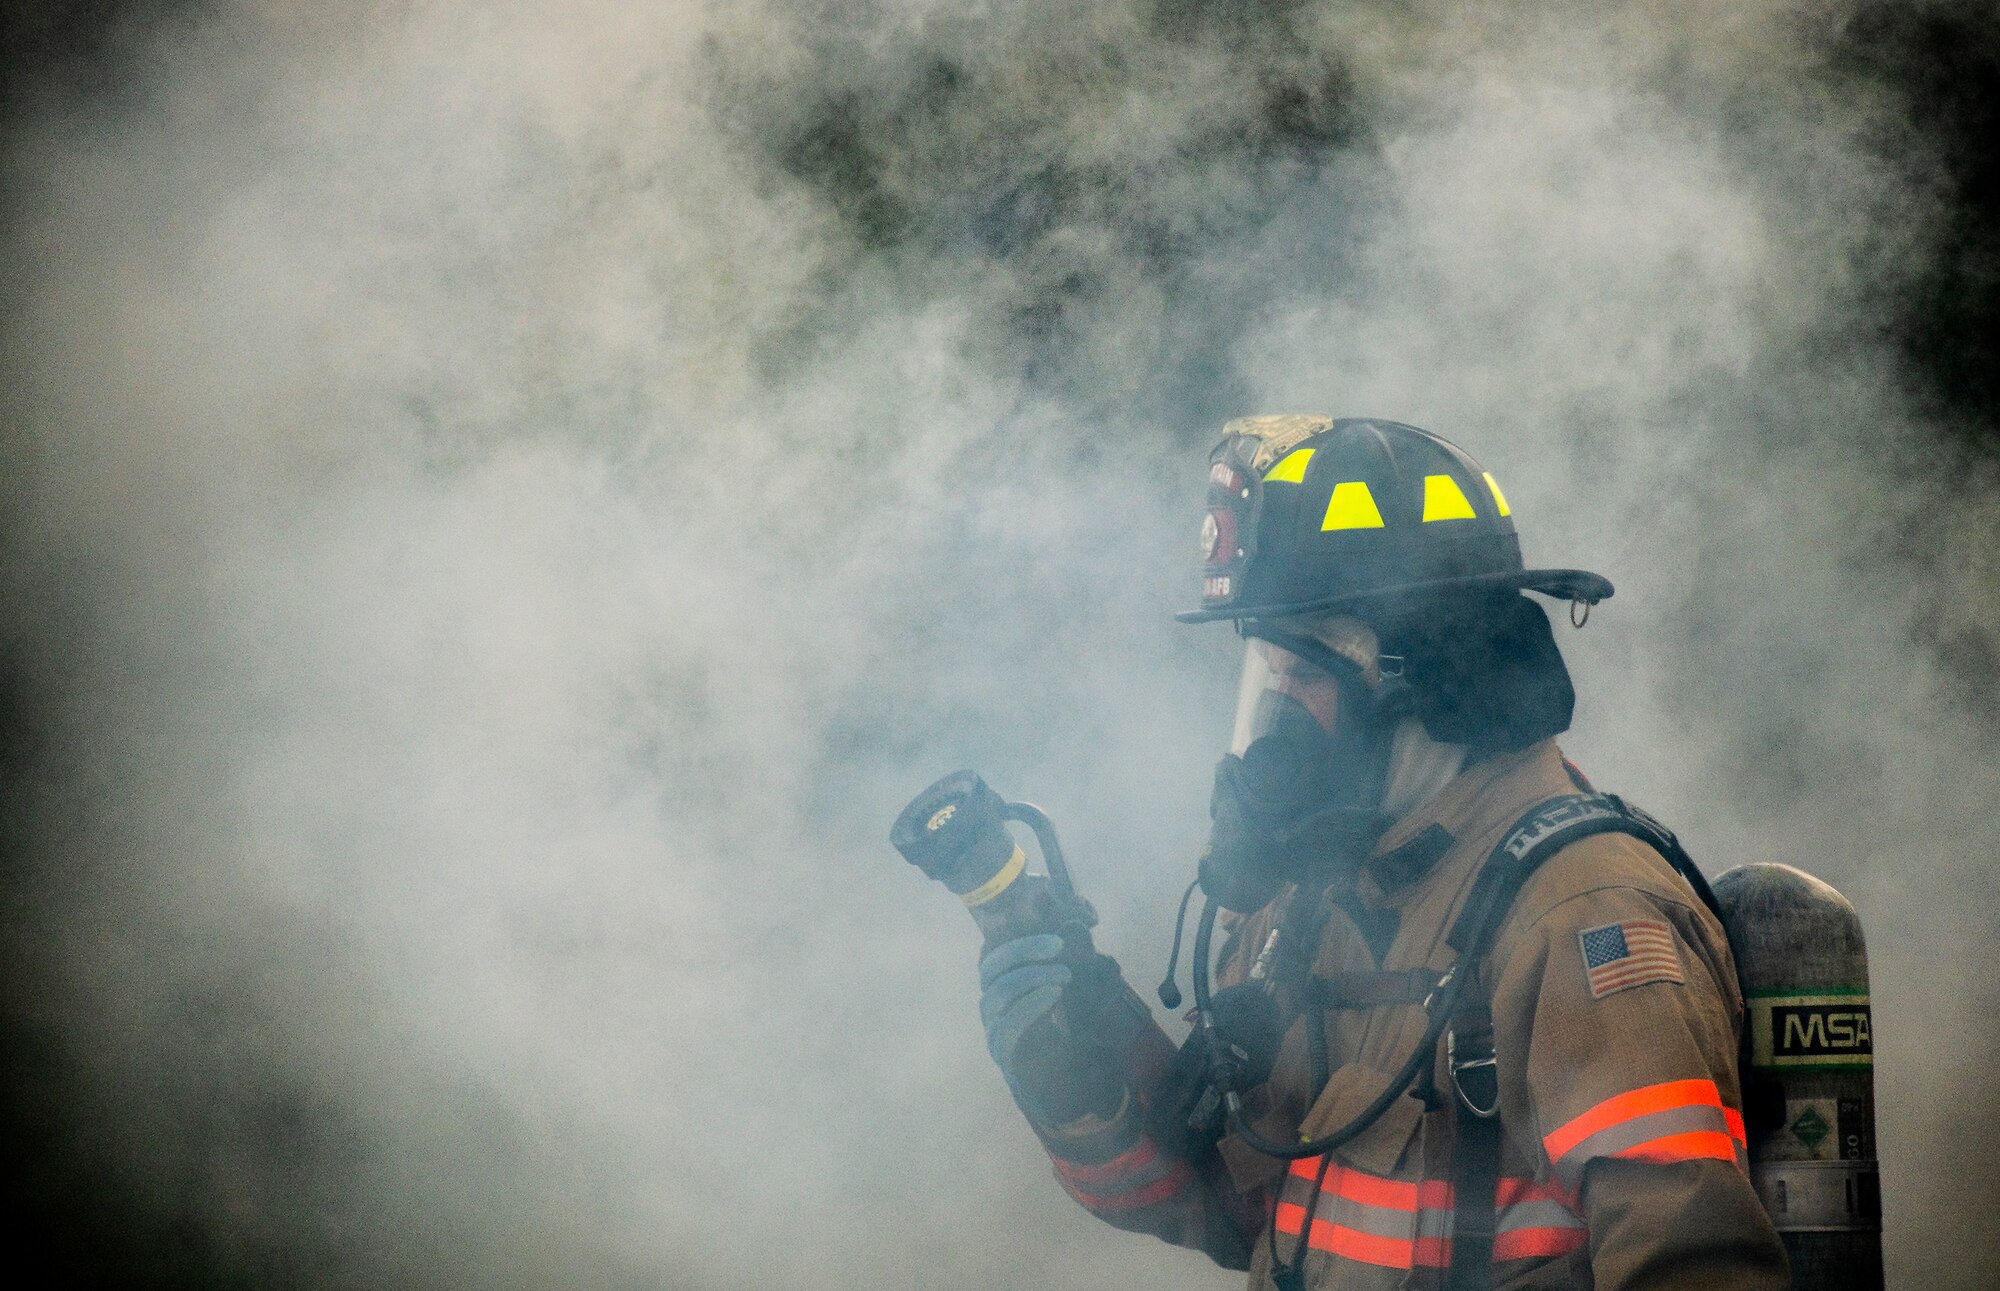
<point>1137,1177</point>
<point>1359,1216</point>
<point>1680,1120</point>
<point>1400,1225</point>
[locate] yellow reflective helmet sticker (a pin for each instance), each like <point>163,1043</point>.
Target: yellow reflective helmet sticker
<point>1352,506</point>
<point>1292,469</point>
<point>1498,496</point>
<point>1444,500</point>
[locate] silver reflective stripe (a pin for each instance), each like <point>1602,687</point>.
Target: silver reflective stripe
<point>1376,1221</point>
<point>1543,1212</point>
<point>1617,1138</point>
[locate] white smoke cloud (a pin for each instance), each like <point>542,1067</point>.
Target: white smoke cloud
<point>521,495</point>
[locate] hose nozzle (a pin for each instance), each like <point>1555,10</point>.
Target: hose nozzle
<point>956,832</point>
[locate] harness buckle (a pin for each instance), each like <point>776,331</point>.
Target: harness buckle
<point>1485,1069</point>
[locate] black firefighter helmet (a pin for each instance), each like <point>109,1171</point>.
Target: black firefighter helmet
<point>1310,515</point>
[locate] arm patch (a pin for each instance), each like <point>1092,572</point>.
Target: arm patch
<point>1633,953</point>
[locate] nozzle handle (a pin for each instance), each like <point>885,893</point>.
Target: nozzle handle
<point>1045,838</point>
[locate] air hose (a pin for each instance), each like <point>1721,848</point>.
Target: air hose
<point>1439,1004</point>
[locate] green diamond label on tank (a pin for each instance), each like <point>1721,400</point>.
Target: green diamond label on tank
<point>1811,1032</point>
<point>1811,1129</point>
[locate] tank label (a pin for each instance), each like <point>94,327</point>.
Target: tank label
<point>1811,1122</point>
<point>1820,1032</point>
<point>1820,1196</point>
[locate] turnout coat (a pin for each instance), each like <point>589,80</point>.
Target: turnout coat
<point>1615,1024</point>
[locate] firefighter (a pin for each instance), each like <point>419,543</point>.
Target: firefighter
<point>1579,1124</point>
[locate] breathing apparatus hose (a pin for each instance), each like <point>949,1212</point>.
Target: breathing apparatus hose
<point>1439,1004</point>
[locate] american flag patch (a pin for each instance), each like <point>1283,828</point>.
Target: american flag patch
<point>1632,953</point>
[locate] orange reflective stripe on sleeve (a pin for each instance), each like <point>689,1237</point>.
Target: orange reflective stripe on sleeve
<point>1159,1190</point>
<point>1115,1170</point>
<point>1536,1243</point>
<point>1692,1146</point>
<point>1624,1107</point>
<point>1679,1120</point>
<point>1135,1178</point>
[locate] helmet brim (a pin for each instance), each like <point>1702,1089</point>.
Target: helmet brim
<point>1559,584</point>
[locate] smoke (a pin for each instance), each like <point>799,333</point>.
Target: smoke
<point>506,502</point>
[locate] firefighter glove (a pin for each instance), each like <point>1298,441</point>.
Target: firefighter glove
<point>1020,982</point>
<point>1050,1009</point>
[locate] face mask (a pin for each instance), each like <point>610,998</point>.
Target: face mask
<point>1301,790</point>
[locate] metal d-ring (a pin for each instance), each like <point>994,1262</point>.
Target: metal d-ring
<point>1452,1064</point>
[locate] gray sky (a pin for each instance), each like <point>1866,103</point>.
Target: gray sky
<point>508,501</point>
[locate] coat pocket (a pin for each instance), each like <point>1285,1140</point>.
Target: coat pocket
<point>1384,1148</point>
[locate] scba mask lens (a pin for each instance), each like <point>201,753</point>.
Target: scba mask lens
<point>1279,685</point>
<point>1301,786</point>
<point>1300,738</point>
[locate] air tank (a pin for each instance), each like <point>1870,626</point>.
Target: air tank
<point>1808,1071</point>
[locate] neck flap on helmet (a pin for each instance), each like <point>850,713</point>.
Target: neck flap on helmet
<point>1484,671</point>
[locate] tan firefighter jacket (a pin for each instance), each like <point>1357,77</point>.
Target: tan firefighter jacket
<point>1615,1015</point>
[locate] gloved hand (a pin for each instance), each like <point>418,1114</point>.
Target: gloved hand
<point>1020,982</point>
<point>1056,1076</point>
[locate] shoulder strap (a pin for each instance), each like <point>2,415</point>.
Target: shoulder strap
<point>1475,1155</point>
<point>1545,830</point>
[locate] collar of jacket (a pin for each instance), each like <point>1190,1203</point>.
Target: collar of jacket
<point>1483,797</point>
